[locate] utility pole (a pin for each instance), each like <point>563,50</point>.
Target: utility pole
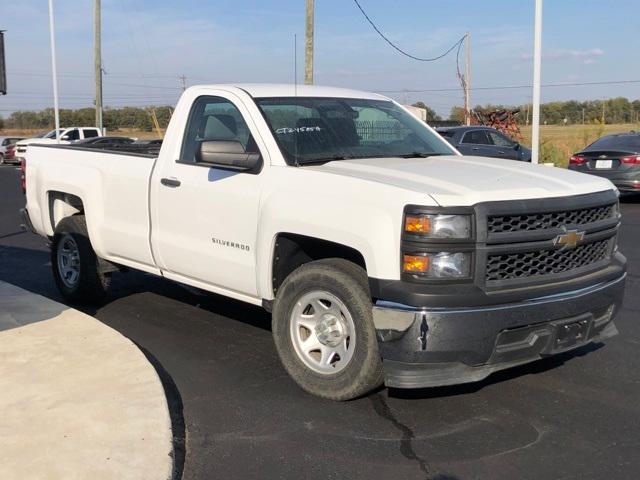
<point>583,115</point>
<point>603,111</point>
<point>308,49</point>
<point>3,66</point>
<point>183,82</point>
<point>537,63</point>
<point>467,78</point>
<point>97,54</point>
<point>54,72</point>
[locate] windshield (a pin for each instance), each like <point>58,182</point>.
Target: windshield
<point>52,134</point>
<point>313,130</point>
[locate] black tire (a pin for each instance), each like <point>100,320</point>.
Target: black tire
<point>348,283</point>
<point>1,159</point>
<point>91,286</point>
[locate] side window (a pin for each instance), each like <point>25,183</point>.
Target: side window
<point>499,139</point>
<point>6,142</point>
<point>73,134</point>
<point>214,118</point>
<point>478,137</point>
<point>90,132</point>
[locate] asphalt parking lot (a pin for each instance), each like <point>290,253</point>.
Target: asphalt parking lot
<point>238,414</point>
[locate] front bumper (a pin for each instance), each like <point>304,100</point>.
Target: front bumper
<point>437,347</point>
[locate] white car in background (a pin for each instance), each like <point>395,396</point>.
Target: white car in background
<point>67,135</point>
<point>5,143</point>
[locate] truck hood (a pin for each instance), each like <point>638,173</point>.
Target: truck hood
<point>466,180</point>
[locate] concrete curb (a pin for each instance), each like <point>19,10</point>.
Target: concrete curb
<point>78,400</point>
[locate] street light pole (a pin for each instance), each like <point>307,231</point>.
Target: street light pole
<point>537,61</point>
<point>54,72</point>
<point>97,26</point>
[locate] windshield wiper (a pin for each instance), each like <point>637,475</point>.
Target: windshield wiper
<point>315,161</point>
<point>325,159</point>
<point>419,155</point>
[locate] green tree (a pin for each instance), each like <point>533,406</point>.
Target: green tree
<point>431,113</point>
<point>456,114</point>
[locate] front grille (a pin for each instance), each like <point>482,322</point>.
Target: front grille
<point>543,221</point>
<point>513,266</point>
<point>22,149</point>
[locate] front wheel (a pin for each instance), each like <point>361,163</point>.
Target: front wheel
<point>323,330</point>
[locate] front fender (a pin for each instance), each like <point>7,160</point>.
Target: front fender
<point>365,216</point>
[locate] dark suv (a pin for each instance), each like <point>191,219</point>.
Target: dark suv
<point>616,157</point>
<point>484,142</point>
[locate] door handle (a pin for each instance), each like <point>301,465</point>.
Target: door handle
<point>170,182</point>
<point>500,152</point>
<point>476,148</point>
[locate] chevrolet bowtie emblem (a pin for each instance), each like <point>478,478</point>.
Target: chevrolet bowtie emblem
<point>569,239</point>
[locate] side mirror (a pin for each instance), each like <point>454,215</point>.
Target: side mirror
<point>64,137</point>
<point>227,154</point>
<point>516,146</point>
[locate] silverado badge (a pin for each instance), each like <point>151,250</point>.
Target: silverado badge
<point>569,239</point>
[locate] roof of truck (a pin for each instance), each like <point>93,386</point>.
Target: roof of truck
<point>261,90</point>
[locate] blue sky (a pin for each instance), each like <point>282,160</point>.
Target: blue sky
<point>148,44</point>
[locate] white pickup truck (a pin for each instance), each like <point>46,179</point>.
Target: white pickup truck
<point>67,135</point>
<point>383,254</point>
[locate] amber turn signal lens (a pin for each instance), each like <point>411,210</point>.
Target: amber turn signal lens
<point>417,224</point>
<point>415,263</point>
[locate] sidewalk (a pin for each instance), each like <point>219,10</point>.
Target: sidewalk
<point>77,399</point>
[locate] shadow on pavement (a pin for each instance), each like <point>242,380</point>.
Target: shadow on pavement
<point>30,269</point>
<point>176,409</point>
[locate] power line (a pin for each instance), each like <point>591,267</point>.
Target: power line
<point>108,80</point>
<point>384,37</point>
<point>504,87</point>
<point>22,73</point>
<point>143,86</point>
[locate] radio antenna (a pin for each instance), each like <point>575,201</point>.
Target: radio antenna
<point>295,64</point>
<point>295,88</point>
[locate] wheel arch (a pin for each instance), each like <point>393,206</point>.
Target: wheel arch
<point>61,205</point>
<point>292,250</point>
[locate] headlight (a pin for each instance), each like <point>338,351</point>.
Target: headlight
<point>438,264</point>
<point>438,225</point>
<point>615,208</point>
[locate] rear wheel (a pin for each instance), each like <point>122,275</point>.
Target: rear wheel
<point>323,330</point>
<point>75,264</point>
<point>1,159</point>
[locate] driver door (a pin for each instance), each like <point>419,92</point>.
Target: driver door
<point>205,219</point>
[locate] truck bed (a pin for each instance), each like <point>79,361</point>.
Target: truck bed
<point>114,188</point>
<point>149,151</point>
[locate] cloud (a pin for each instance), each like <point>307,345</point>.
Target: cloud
<point>587,56</point>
